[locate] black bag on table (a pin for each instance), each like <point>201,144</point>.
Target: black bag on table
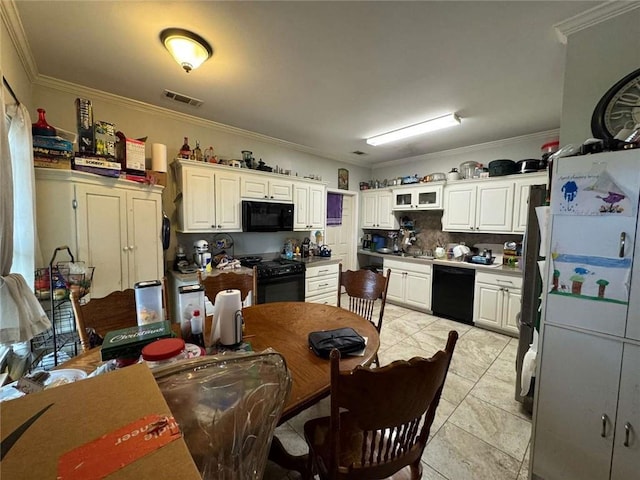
<point>346,340</point>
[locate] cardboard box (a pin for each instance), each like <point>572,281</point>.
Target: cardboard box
<point>47,162</point>
<point>97,165</point>
<point>105,137</point>
<point>157,178</point>
<point>48,425</point>
<point>129,342</point>
<point>84,122</point>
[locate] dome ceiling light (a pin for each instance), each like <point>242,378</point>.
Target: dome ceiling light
<point>187,48</point>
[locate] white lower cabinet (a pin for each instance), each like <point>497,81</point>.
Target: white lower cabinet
<point>409,284</point>
<point>588,408</point>
<point>496,302</point>
<point>321,284</point>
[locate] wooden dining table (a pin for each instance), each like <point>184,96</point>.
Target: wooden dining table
<point>284,327</point>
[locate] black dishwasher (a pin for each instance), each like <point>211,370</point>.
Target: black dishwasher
<point>452,293</point>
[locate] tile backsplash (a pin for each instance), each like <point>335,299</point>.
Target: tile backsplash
<point>428,225</point>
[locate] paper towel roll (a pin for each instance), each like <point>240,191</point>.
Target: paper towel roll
<point>226,304</point>
<point>158,157</point>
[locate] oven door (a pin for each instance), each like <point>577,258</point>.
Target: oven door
<point>285,288</point>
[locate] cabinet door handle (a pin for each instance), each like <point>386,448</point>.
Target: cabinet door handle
<point>604,418</point>
<point>623,239</point>
<point>323,285</point>
<point>627,432</point>
<point>132,247</point>
<point>124,249</point>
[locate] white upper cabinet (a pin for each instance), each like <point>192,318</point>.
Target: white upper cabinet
<point>309,201</point>
<point>261,187</point>
<point>488,205</point>
<point>208,198</point>
<point>418,197</point>
<point>377,210</point>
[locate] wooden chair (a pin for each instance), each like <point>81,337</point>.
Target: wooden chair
<point>380,418</point>
<point>364,289</point>
<point>116,310</point>
<point>244,282</point>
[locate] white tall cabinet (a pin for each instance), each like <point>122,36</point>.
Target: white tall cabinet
<point>587,406</point>
<point>113,225</point>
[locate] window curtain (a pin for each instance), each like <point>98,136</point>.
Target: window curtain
<point>334,209</point>
<point>21,315</point>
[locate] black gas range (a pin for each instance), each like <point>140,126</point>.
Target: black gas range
<point>279,280</point>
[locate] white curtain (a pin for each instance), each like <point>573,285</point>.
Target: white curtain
<point>21,315</point>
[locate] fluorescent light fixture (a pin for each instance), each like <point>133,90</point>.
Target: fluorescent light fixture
<point>419,128</point>
<point>187,48</point>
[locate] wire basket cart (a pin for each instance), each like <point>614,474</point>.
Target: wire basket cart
<point>53,286</point>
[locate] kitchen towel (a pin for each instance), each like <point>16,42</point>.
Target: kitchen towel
<point>334,209</point>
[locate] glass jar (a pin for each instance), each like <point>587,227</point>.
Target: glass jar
<point>164,352</point>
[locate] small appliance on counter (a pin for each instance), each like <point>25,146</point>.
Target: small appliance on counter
<point>180,262</point>
<point>306,247</point>
<point>201,254</point>
<point>366,241</point>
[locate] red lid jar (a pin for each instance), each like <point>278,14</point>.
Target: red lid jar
<point>164,351</point>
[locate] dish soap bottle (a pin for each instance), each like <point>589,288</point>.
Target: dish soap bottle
<point>185,150</point>
<point>197,337</point>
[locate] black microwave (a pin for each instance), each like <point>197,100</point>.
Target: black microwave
<point>266,216</point>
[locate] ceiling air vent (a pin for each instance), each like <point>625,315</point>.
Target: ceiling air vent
<point>358,152</point>
<point>178,97</point>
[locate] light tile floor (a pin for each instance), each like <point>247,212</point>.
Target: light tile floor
<point>480,431</point>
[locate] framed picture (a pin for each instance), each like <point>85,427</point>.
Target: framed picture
<point>343,179</point>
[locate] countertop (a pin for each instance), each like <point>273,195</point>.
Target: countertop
<point>516,272</point>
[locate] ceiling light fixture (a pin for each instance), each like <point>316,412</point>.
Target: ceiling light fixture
<point>445,121</point>
<point>187,48</point>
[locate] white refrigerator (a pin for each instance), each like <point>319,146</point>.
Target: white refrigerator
<point>586,422</point>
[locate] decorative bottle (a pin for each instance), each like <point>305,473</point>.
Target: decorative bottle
<point>197,153</point>
<point>41,127</point>
<point>185,150</point>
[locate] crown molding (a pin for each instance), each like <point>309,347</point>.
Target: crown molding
<point>12,22</point>
<point>593,16</point>
<point>124,102</point>
<point>505,142</point>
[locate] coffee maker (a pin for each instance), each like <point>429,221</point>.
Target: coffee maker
<point>366,241</point>
<point>201,254</point>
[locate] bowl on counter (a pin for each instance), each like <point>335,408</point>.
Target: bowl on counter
<point>384,250</point>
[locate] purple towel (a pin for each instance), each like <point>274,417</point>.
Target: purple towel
<point>334,209</point>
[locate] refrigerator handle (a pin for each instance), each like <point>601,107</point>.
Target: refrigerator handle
<point>623,238</point>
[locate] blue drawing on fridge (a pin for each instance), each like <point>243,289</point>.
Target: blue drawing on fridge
<point>570,190</point>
